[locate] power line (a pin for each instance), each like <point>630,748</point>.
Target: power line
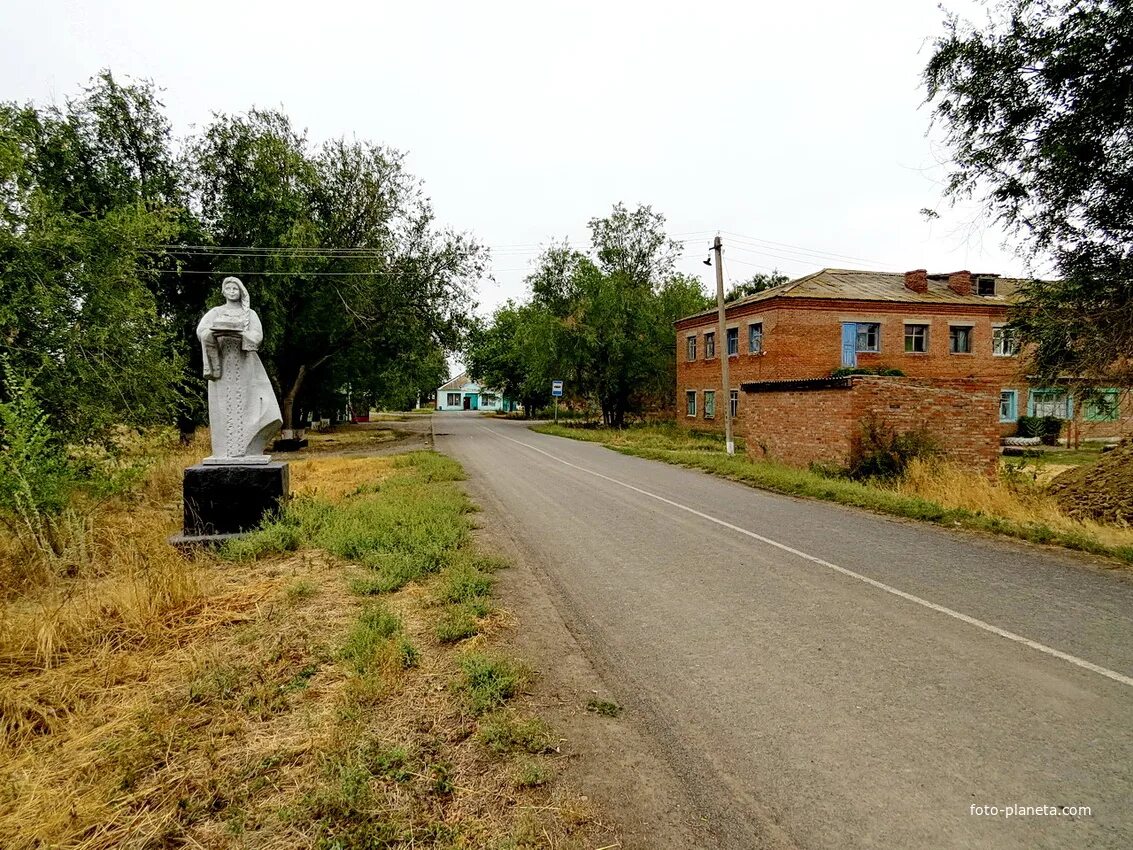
<point>318,274</point>
<point>762,243</point>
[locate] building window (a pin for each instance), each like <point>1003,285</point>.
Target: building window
<point>690,348</point>
<point>709,404</point>
<point>916,339</point>
<point>1102,406</point>
<point>1047,402</point>
<point>709,346</point>
<point>733,337</point>
<point>453,400</point>
<point>690,402</point>
<point>755,338</point>
<point>1004,342</point>
<point>1008,405</point>
<point>985,286</point>
<point>869,336</point>
<point>960,339</point>
<point>733,402</point>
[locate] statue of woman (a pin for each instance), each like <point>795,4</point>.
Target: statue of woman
<point>243,411</point>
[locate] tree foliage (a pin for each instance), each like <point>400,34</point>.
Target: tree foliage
<point>757,283</point>
<point>359,286</point>
<point>114,235</point>
<point>1036,106</point>
<point>85,198</point>
<point>600,321</point>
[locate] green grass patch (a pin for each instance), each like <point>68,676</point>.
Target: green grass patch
<point>604,707</point>
<point>489,680</point>
<point>370,636</point>
<point>456,624</point>
<point>667,436</point>
<point>697,452</point>
<point>464,583</point>
<point>503,732</point>
<point>531,774</point>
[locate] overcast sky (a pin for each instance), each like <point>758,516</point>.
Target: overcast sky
<point>795,124</point>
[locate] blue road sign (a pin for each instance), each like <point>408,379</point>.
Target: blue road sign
<point>557,388</point>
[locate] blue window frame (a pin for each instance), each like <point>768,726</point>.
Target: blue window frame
<point>755,338</point>
<point>1008,405</point>
<point>733,337</point>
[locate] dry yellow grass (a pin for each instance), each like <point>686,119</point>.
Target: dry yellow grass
<point>150,700</point>
<point>333,478</point>
<point>1024,502</point>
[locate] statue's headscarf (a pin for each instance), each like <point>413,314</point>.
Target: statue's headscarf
<point>245,299</point>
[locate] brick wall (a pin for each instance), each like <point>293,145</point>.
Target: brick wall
<point>803,426</point>
<point>803,339</point>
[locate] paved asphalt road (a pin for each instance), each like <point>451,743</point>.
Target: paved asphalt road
<point>823,677</point>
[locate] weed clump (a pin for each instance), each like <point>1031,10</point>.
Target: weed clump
<point>881,451</point>
<point>503,732</point>
<point>370,636</point>
<point>489,681</point>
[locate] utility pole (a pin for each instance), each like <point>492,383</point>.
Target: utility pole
<point>722,344</point>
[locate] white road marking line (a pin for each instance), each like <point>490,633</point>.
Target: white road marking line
<point>971,621</point>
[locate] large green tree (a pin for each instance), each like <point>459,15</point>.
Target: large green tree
<point>87,202</point>
<point>1037,105</point>
<point>602,322</point>
<point>355,282</point>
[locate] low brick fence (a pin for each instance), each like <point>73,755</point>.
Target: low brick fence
<point>808,421</point>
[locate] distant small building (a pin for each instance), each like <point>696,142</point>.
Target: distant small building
<point>462,393</point>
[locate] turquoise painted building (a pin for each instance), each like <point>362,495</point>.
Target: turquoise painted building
<point>462,393</point>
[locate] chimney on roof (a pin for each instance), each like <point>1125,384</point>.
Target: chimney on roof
<point>917,280</point>
<point>960,282</point>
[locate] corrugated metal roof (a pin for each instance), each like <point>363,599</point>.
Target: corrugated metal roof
<point>860,285</point>
<point>456,383</point>
<point>796,384</point>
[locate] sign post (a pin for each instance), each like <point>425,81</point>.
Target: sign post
<point>557,391</point>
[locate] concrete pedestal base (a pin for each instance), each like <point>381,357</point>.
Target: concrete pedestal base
<point>224,500</point>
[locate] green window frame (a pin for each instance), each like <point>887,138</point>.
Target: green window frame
<point>709,345</point>
<point>690,347</point>
<point>1050,401</point>
<point>1104,407</point>
<point>709,404</point>
<point>690,403</point>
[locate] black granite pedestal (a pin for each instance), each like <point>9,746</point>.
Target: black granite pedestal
<point>293,444</point>
<point>225,500</point>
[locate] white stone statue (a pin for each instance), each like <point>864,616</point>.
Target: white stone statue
<point>243,411</point>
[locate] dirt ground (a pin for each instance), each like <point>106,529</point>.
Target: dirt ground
<point>1101,491</point>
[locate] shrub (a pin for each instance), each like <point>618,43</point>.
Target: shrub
<point>35,475</point>
<point>1046,428</point>
<point>883,452</point>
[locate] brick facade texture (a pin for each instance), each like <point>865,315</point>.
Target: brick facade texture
<point>824,425</point>
<point>802,340</point>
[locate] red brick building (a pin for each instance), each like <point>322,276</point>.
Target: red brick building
<point>946,330</point>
